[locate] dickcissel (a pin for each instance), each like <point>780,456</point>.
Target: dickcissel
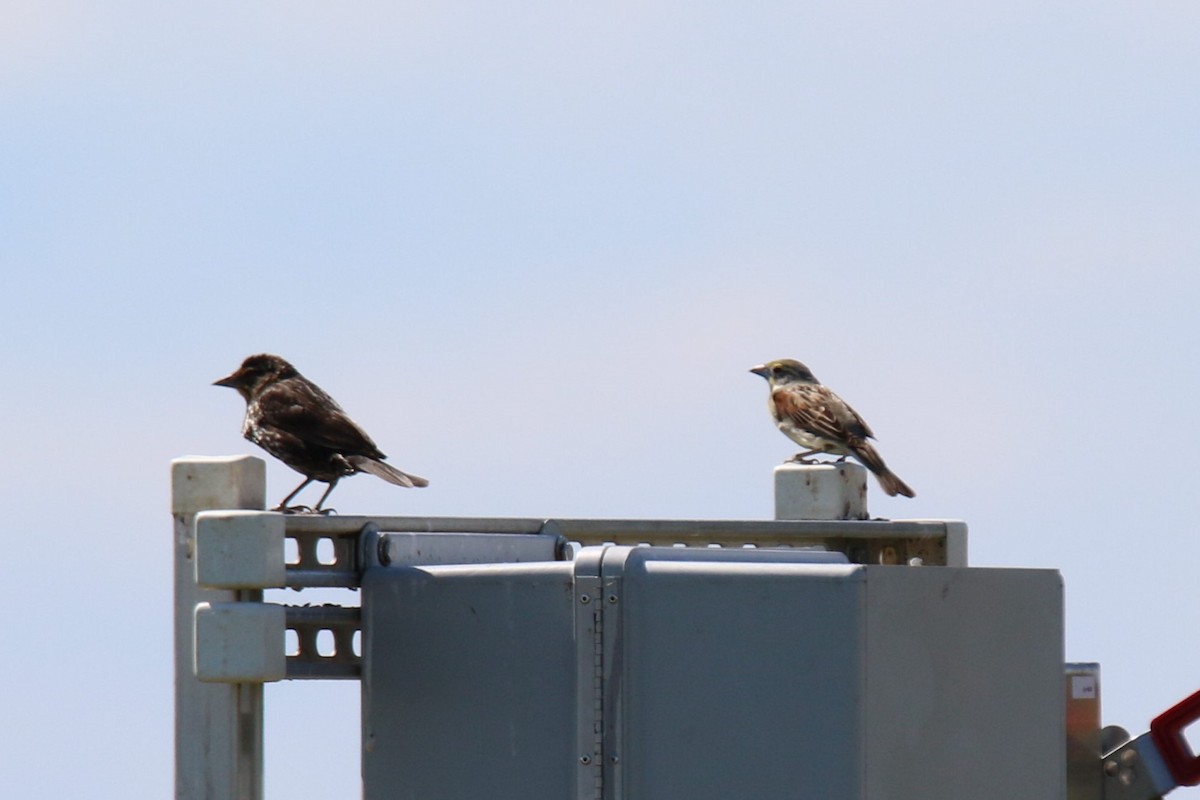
<point>812,416</point>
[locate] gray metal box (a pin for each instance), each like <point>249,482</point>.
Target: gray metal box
<point>668,673</point>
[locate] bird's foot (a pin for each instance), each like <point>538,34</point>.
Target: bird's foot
<point>800,459</point>
<point>325,512</point>
<point>294,510</point>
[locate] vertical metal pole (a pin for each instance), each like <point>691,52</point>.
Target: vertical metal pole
<point>218,726</point>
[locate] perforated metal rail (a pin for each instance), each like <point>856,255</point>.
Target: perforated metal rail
<point>931,543</point>
<point>333,551</point>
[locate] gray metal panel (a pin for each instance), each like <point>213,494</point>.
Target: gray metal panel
<point>415,549</point>
<point>469,682</point>
<point>712,674</point>
<point>964,684</point>
<point>737,675</point>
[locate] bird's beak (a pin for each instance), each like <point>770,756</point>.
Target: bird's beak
<point>229,380</point>
<point>761,370</point>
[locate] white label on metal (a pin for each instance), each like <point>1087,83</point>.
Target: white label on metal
<point>1083,687</point>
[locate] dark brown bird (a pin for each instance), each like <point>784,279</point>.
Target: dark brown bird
<point>291,418</point>
<point>812,416</point>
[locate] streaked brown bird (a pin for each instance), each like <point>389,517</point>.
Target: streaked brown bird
<point>294,420</point>
<point>815,418</point>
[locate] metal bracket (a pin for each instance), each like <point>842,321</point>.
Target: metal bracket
<point>589,630</point>
<point>309,662</point>
<point>1136,771</point>
<point>310,569</point>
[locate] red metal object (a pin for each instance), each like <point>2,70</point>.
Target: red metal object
<point>1167,732</point>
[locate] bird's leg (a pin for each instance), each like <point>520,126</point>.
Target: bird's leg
<point>317,508</point>
<point>799,458</point>
<point>285,508</point>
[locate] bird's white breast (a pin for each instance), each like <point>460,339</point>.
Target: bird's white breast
<point>807,439</point>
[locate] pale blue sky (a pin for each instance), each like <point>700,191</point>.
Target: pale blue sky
<point>533,249</point>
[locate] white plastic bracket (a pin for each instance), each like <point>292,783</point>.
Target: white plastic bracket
<point>240,642</point>
<point>240,550</point>
<point>821,491</point>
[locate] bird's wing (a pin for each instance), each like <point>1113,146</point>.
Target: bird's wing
<point>307,412</point>
<point>815,408</point>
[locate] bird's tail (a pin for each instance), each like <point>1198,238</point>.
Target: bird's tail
<point>891,483</point>
<point>387,472</point>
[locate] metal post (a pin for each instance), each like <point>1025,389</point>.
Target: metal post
<point>218,726</point>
